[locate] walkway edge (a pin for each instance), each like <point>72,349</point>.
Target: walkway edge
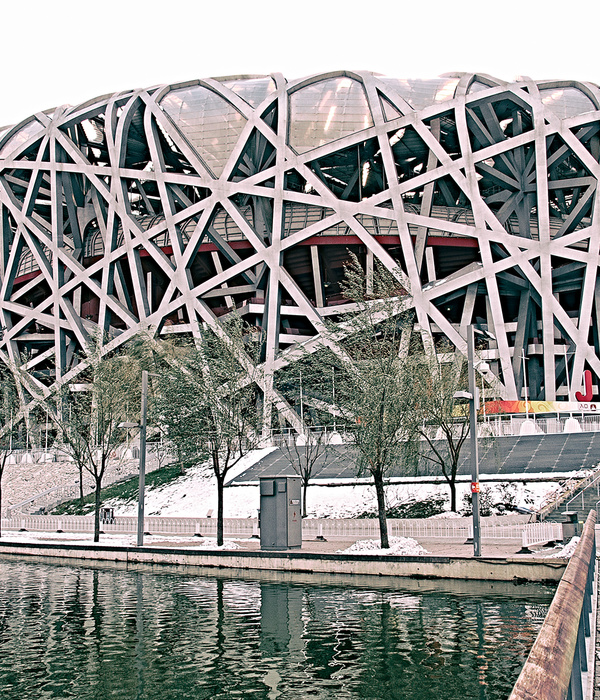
<point>431,567</point>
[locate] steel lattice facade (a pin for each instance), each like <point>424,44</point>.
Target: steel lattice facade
<point>165,208</point>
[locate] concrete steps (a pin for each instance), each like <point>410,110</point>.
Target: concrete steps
<point>584,500</point>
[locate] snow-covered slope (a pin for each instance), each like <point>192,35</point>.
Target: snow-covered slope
<point>195,495</point>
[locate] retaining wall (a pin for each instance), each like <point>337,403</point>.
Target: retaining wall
<point>467,568</point>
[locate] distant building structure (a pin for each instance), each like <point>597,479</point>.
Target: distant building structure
<point>165,208</point>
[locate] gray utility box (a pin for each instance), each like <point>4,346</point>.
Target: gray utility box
<point>280,518</point>
<point>570,525</point>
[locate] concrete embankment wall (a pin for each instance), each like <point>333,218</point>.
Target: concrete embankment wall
<point>466,568</point>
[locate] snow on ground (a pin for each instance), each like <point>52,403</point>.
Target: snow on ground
<point>195,494</point>
<point>110,540</point>
<point>565,552</point>
<point>404,546</point>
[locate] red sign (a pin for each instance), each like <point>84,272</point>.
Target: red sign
<point>474,487</point>
<point>587,381</point>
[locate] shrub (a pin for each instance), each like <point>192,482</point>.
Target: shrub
<point>412,508</point>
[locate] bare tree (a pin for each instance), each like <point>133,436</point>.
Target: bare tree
<point>9,405</point>
<point>88,417</point>
<point>304,453</point>
<point>374,373</point>
<point>443,416</point>
<point>207,407</point>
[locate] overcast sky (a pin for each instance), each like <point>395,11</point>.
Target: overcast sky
<point>68,51</point>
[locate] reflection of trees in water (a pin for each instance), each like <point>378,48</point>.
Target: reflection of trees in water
<point>90,633</point>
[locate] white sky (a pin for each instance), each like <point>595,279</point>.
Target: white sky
<point>68,51</point>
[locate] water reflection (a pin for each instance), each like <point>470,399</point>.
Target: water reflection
<point>75,632</point>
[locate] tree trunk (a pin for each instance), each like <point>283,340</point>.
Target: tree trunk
<point>219,511</point>
<point>97,502</point>
<point>1,474</point>
<point>81,486</point>
<point>383,531</point>
<point>453,496</point>
<point>304,490</point>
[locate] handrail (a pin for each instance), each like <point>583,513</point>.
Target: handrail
<point>41,494</point>
<point>549,668</point>
<point>562,497</point>
<point>585,488</point>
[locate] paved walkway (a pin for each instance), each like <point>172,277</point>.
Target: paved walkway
<point>447,547</point>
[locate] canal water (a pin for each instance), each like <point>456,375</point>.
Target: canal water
<point>165,634</point>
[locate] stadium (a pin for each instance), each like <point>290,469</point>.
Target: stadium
<point>166,208</point>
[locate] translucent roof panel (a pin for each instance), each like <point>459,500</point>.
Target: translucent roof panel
<point>476,86</point>
<point>253,91</point>
<point>209,122</point>
<point>566,102</point>
<point>423,93</point>
<point>327,111</point>
<point>22,136</point>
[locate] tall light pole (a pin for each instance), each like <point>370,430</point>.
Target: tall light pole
<point>474,446</point>
<point>142,464</point>
<point>473,396</point>
<point>142,482</point>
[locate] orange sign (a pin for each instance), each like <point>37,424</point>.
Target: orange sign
<point>474,487</point>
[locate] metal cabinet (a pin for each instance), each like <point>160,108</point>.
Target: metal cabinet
<point>280,513</point>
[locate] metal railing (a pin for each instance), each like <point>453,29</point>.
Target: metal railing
<point>288,436</point>
<point>560,664</point>
<point>350,529</point>
<point>591,481</point>
<point>571,486</point>
<point>540,533</point>
<point>57,493</point>
<point>504,425</point>
<point>510,424</point>
<point>117,471</point>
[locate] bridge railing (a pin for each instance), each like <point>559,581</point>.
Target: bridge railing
<point>560,663</point>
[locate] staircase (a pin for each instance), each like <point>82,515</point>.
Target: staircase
<point>29,486</point>
<point>582,500</point>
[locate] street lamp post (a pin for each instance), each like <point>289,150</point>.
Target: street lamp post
<point>142,462</point>
<point>142,482</point>
<point>474,446</point>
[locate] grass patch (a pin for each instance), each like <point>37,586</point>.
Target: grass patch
<point>127,490</point>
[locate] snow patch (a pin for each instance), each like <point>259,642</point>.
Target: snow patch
<point>403,546</point>
<point>202,543</point>
<point>566,552</point>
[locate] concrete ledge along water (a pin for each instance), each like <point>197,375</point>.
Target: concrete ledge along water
<point>426,566</point>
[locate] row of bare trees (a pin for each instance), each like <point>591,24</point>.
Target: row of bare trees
<point>387,386</point>
<point>373,378</point>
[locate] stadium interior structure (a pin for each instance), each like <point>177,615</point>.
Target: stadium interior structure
<point>164,208</point>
